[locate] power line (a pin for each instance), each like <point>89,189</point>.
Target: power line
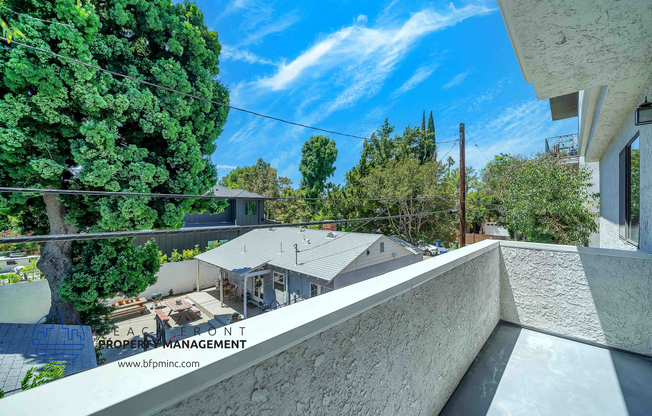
<point>117,74</point>
<point>478,147</point>
<point>388,208</point>
<point>186,196</point>
<point>194,230</point>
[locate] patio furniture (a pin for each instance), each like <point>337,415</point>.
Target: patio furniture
<point>196,311</point>
<point>156,297</point>
<point>178,305</point>
<point>127,310</point>
<point>159,338</point>
<point>163,317</point>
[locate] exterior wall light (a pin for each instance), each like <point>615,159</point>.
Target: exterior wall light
<point>644,113</point>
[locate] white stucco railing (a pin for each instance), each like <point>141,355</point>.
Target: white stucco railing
<point>395,344</point>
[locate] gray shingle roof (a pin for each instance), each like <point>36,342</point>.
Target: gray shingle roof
<point>325,261</point>
<point>235,193</point>
<point>409,247</point>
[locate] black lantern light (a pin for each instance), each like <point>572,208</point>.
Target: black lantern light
<point>644,113</point>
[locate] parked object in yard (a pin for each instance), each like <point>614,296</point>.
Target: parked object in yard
<point>429,249</point>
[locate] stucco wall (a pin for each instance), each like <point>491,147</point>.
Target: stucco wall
<point>181,277</point>
<point>24,303</point>
<point>609,237</point>
<point>597,295</point>
<point>404,356</point>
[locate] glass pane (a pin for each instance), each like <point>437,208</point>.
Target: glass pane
<point>622,184</point>
<point>635,191</point>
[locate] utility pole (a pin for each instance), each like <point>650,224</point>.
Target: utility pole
<point>462,188</point>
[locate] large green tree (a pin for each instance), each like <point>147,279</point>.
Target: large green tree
<point>317,165</point>
<point>408,178</point>
<point>543,199</point>
<point>64,125</point>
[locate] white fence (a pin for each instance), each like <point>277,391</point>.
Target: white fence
<point>181,277</point>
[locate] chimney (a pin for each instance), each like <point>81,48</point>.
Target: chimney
<point>329,227</point>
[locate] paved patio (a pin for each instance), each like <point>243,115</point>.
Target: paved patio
<point>213,316</point>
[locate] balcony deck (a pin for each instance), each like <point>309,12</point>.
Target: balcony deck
<point>524,372</point>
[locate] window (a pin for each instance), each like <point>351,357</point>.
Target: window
<point>382,247</point>
<point>629,191</point>
<point>316,290</point>
<point>279,282</point>
<point>250,207</point>
<point>223,241</point>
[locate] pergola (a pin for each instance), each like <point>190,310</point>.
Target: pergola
<point>244,275</point>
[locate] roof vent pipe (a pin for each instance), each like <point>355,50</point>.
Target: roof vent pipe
<point>281,246</point>
<point>244,248</point>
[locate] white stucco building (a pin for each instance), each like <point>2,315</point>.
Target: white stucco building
<point>594,60</point>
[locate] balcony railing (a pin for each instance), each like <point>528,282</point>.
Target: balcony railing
<point>396,344</point>
<point>566,147</point>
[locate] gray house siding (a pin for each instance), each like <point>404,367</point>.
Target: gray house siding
<point>180,242</point>
<point>207,218</point>
<point>365,273</point>
<point>233,214</point>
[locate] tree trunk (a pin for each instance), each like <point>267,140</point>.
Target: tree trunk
<point>56,256</point>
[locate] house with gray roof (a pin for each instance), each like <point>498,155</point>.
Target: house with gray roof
<point>244,208</point>
<point>278,266</point>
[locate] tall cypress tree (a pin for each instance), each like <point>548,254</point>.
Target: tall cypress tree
<point>431,129</point>
<point>423,121</point>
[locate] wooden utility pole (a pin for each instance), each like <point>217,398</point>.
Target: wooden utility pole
<point>462,188</point>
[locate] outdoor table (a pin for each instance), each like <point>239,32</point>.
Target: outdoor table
<point>182,308</point>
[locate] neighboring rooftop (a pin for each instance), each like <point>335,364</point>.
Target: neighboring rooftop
<point>235,193</point>
<point>322,254</point>
<point>409,247</point>
<point>22,347</point>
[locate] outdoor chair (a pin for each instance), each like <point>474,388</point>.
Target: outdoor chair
<point>156,297</point>
<point>159,338</point>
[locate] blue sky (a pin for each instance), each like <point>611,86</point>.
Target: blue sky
<point>346,66</point>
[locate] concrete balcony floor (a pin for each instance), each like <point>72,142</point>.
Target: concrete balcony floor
<point>524,372</point>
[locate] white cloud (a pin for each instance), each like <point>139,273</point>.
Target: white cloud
<point>235,54</point>
<point>421,74</point>
<point>362,19</point>
<point>355,61</point>
<point>228,167</point>
<point>456,80</point>
<point>277,26</point>
<point>377,50</point>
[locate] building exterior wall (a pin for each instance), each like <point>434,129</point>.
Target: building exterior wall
<point>595,295</point>
<point>24,303</point>
<point>375,256</point>
<point>359,275</point>
<point>609,208</point>
<point>7,264</point>
<point>168,243</point>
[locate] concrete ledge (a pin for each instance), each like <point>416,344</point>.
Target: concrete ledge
<point>580,250</point>
<point>112,389</point>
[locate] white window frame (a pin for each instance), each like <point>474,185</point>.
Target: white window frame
<point>277,281</point>
<point>318,289</point>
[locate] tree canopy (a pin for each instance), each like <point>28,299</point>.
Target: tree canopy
<point>318,157</point>
<point>64,125</point>
<point>542,198</point>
